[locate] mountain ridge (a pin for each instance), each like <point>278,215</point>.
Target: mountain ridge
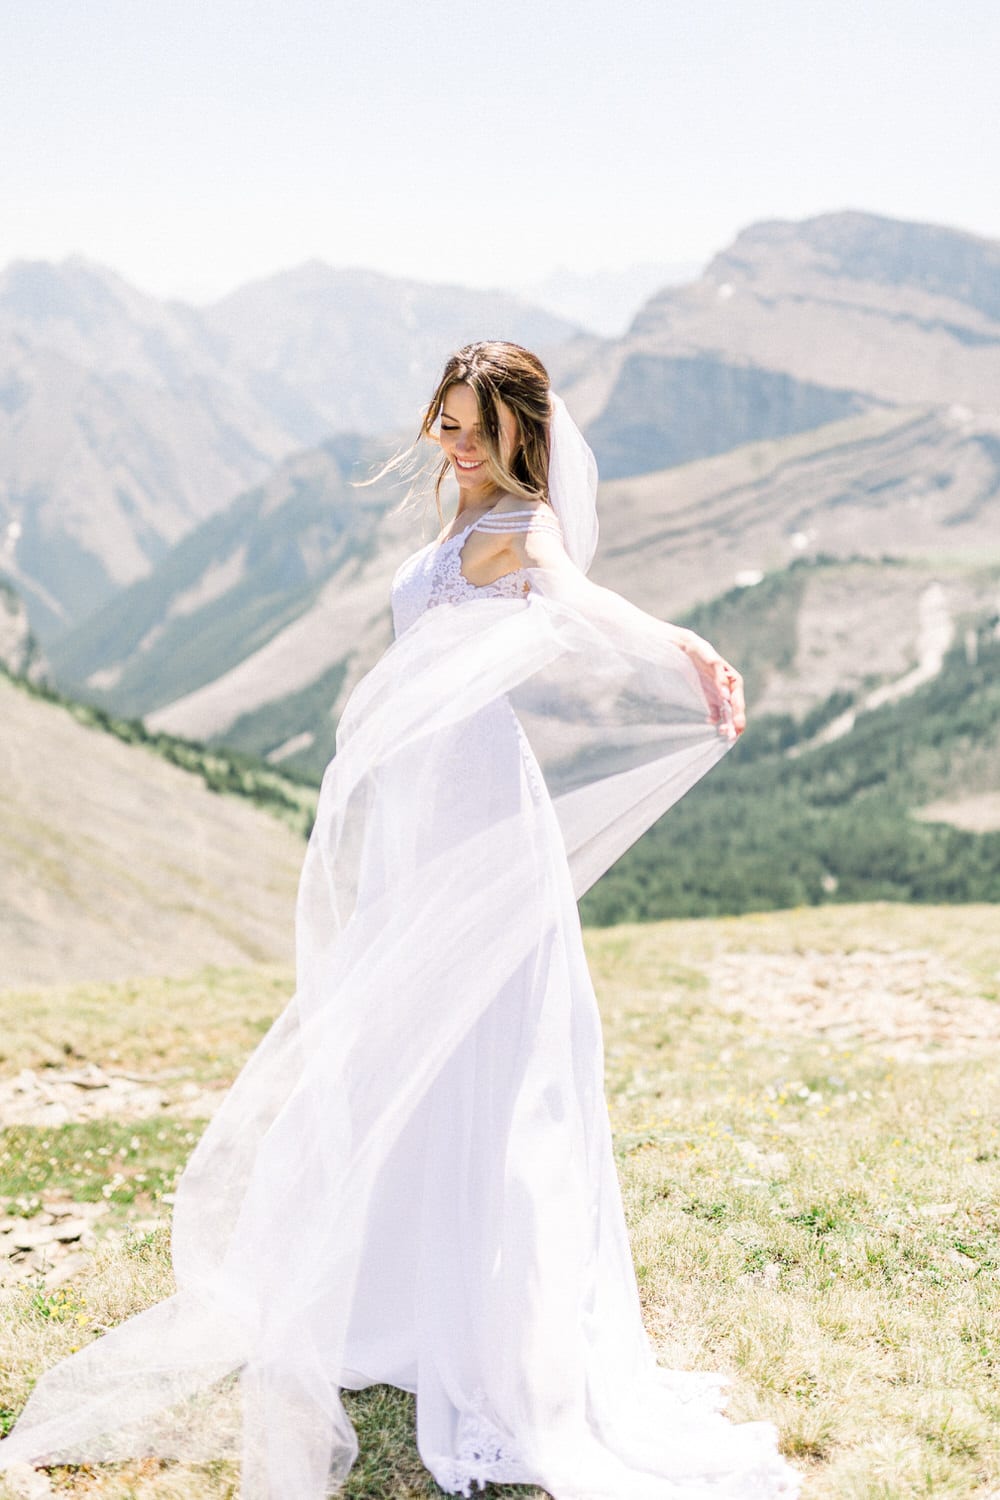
<point>768,341</point>
<point>671,542</point>
<point>125,421</point>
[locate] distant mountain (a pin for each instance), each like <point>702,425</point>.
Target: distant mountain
<point>257,626</point>
<point>752,454</point>
<point>843,636</point>
<point>905,312</point>
<point>903,483</point>
<point>353,350</point>
<point>794,325</point>
<point>125,421</point>
<point>605,302</point>
<point>293,573</point>
<point>119,430</point>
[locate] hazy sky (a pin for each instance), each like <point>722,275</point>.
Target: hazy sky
<point>194,145</point>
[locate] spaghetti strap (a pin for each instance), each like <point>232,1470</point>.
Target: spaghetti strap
<point>516,520</point>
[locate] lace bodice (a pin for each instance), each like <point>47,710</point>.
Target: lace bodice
<point>434,576</point>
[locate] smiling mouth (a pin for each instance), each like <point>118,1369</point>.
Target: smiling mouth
<point>476,465</point>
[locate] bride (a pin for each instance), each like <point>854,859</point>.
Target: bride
<point>429,1109</point>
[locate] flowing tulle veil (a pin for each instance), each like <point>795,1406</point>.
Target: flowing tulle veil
<point>572,484</point>
<point>436,880</point>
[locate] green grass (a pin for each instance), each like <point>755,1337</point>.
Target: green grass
<point>816,1217</point>
<point>179,1030</point>
<point>96,1161</point>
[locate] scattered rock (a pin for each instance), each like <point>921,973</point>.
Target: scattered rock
<point>31,1234</point>
<point>66,1268</point>
<point>67,1231</point>
<point>768,1275</point>
<point>897,1000</point>
<point>59,1096</point>
<point>54,1243</point>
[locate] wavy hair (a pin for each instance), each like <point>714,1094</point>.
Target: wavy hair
<point>495,371</point>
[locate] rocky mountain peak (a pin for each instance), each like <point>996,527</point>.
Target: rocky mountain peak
<point>867,248</point>
<point>889,310</point>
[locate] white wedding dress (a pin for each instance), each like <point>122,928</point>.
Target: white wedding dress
<point>429,1110</point>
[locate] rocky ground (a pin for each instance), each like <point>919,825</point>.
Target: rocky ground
<point>53,1244</point>
<point>911,1001</point>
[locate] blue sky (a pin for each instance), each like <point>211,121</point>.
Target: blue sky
<point>194,146</point>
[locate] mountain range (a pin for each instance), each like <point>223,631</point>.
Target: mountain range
<point>125,421</point>
<point>259,624</point>
<point>793,325</point>
<point>800,451</point>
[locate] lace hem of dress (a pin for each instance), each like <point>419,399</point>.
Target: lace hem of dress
<point>481,1455</point>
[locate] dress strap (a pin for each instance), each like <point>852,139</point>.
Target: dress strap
<point>516,520</point>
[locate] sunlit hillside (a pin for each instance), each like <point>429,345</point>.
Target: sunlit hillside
<point>115,863</point>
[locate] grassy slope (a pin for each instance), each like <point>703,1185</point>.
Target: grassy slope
<point>280,791</point>
<point>812,1211</point>
<point>118,861</point>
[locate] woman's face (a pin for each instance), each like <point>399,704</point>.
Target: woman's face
<point>461,439</point>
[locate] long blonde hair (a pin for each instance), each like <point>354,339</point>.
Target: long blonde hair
<point>496,371</point>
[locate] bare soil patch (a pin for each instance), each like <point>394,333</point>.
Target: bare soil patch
<point>905,1001</point>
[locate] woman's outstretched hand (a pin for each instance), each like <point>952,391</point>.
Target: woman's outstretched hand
<point>722,683</point>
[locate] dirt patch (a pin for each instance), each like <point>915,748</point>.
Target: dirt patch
<point>63,1096</point>
<point>905,1001</point>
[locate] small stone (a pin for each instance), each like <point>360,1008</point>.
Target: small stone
<point>32,1235</point>
<point>68,1230</point>
<point>66,1268</point>
<point>89,1077</point>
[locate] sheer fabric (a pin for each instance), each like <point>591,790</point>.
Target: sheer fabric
<point>572,484</point>
<point>428,1112</point>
